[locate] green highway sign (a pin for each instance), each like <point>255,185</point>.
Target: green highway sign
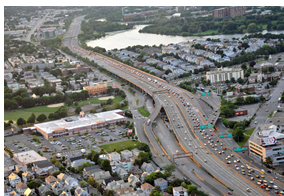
<point>221,136</point>
<point>210,126</point>
<point>230,134</point>
<point>202,127</point>
<point>208,93</point>
<point>238,149</point>
<point>206,118</point>
<point>244,148</point>
<point>203,94</point>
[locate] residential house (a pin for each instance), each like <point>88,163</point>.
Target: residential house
<point>71,183</point>
<point>126,154</point>
<point>143,176</point>
<point>108,180</point>
<point>76,164</point>
<point>29,192</point>
<point>101,176</point>
<point>45,165</point>
<point>114,156</point>
<point>125,191</point>
<point>147,167</point>
<point>14,179</point>
<point>57,187</point>
<point>43,189</point>
<point>64,193</point>
<point>21,187</point>
<point>61,177</point>
<point>147,188</point>
<point>7,190</point>
<point>21,167</point>
<point>81,192</point>
<point>136,151</point>
<point>135,170</point>
<point>13,193</point>
<point>90,171</point>
<point>104,156</point>
<point>70,159</point>
<point>125,164</point>
<point>180,191</point>
<point>170,179</point>
<point>53,170</point>
<point>133,180</point>
<point>166,194</point>
<point>121,172</point>
<point>116,185</point>
<point>27,176</point>
<point>162,183</point>
<point>40,172</point>
<point>50,180</point>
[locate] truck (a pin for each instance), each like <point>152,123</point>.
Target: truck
<point>155,81</point>
<point>148,121</point>
<point>83,151</point>
<point>202,89</point>
<point>58,155</point>
<point>243,112</point>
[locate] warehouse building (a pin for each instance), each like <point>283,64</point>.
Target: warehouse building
<point>267,141</point>
<point>223,74</point>
<point>28,157</point>
<point>81,123</point>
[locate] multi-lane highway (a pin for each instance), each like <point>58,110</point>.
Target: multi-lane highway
<point>183,111</point>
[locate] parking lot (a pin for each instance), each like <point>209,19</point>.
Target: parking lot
<point>70,145</point>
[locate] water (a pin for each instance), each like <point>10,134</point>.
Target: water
<point>122,39</point>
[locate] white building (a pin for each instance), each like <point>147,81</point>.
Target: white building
<point>223,74</point>
<point>267,141</point>
<point>180,191</point>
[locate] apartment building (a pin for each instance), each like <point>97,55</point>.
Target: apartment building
<point>232,11</point>
<point>96,89</point>
<point>223,74</point>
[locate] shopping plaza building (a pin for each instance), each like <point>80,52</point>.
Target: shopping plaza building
<point>83,122</point>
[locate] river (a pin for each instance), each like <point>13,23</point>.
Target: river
<point>122,39</point>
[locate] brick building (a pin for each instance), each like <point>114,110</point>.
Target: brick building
<point>79,69</point>
<point>232,11</point>
<point>96,89</point>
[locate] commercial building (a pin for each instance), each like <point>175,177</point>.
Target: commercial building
<point>267,141</point>
<point>98,88</point>
<point>75,124</point>
<point>232,11</point>
<point>28,157</point>
<point>223,74</point>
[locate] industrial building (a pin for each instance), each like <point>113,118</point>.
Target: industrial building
<point>81,123</point>
<point>267,141</point>
<point>98,88</point>
<point>223,74</point>
<point>232,11</point>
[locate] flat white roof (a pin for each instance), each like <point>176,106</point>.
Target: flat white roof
<point>29,157</point>
<point>77,122</point>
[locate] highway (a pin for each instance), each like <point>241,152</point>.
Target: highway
<point>183,111</point>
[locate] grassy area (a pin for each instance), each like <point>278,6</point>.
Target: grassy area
<point>118,145</point>
<point>243,143</point>
<point>143,112</point>
<point>26,113</point>
<point>208,32</point>
<point>249,131</point>
<point>96,100</point>
<point>137,101</point>
<point>108,74</point>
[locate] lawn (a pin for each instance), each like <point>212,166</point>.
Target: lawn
<point>118,145</point>
<point>96,100</point>
<point>243,143</point>
<point>143,112</point>
<point>249,131</point>
<point>208,32</point>
<point>137,101</point>
<point>26,113</point>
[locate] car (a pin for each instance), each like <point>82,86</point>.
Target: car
<point>264,181</point>
<point>223,152</point>
<point>262,176</point>
<point>229,162</point>
<point>195,152</point>
<point>232,155</point>
<point>224,148</point>
<point>268,189</point>
<point>237,168</point>
<point>262,186</point>
<point>205,161</point>
<point>248,190</point>
<point>255,122</point>
<point>189,144</point>
<point>46,148</point>
<point>205,144</point>
<point>242,166</point>
<point>219,152</point>
<point>251,178</point>
<point>230,193</point>
<point>79,178</point>
<point>275,187</point>
<point>207,152</point>
<point>238,160</point>
<point>258,183</point>
<point>244,173</point>
<point>195,147</point>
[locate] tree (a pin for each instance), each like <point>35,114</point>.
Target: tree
<point>244,66</point>
<point>143,146</point>
<point>106,165</point>
<point>196,84</point>
<point>21,121</point>
<point>224,92</point>
<point>176,182</point>
<point>266,57</point>
<point>252,63</point>
<point>238,134</point>
<point>169,168</point>
<point>48,193</point>
<point>76,103</point>
<point>33,184</point>
<point>168,71</point>
<point>31,120</point>
<point>262,98</point>
<point>233,80</point>
<point>268,161</point>
<point>78,110</point>
<point>239,101</point>
<point>169,190</point>
<point>227,81</point>
<point>41,118</point>
<point>144,156</point>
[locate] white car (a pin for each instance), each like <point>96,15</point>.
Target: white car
<point>275,187</point>
<point>204,144</point>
